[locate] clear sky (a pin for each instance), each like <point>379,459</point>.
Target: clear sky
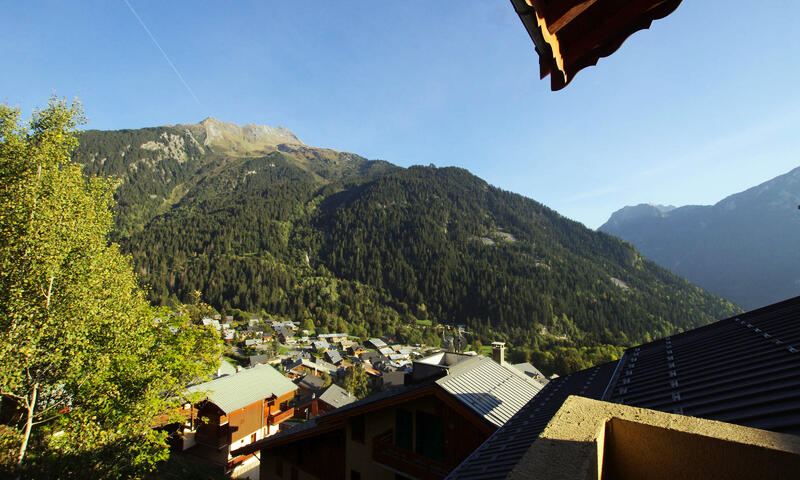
<point>702,105</point>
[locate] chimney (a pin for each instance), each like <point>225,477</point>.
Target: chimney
<point>499,352</point>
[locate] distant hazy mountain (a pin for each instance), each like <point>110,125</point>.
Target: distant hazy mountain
<point>744,248</point>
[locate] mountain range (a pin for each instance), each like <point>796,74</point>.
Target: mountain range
<point>741,248</point>
<point>258,221</point>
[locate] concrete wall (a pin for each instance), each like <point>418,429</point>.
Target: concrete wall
<point>589,439</point>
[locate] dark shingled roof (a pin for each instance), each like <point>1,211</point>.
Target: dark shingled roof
<point>743,370</point>
<point>498,455</point>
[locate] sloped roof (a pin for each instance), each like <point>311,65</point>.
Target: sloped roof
<point>377,342</point>
<point>334,356</point>
<point>571,35</point>
<point>337,396</point>
<point>494,391</point>
<point>243,388</point>
<point>503,385</point>
<point>311,382</point>
<point>741,370</point>
<point>498,455</point>
<point>320,365</point>
<point>532,372</point>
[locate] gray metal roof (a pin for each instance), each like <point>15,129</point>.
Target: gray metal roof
<point>494,391</point>
<point>320,365</point>
<point>498,455</point>
<point>377,342</point>
<point>311,382</point>
<point>741,370</point>
<point>241,389</point>
<point>337,396</point>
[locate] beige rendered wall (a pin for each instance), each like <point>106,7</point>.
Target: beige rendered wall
<point>599,440</point>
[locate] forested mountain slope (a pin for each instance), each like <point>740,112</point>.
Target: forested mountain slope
<point>372,248</point>
<point>743,248</point>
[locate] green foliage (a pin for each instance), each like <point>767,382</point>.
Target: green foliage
<point>356,382</point>
<point>81,356</point>
<point>373,249</point>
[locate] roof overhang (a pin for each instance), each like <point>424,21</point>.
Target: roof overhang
<point>337,418</point>
<point>570,35</point>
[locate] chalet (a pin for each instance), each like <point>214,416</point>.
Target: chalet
<point>421,431</point>
<point>309,384</point>
<point>385,351</point>
<point>371,357</point>
<point>334,397</point>
<point>254,322</point>
<point>320,345</point>
<point>234,411</point>
<point>303,366</point>
<point>376,343</point>
<point>332,337</point>
<point>355,350</point>
<point>229,335</point>
<point>258,359</point>
<point>334,357</point>
<point>284,335</point>
<point>398,357</point>
<point>210,322</point>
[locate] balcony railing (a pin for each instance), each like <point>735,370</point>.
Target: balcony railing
<point>386,452</point>
<point>279,417</point>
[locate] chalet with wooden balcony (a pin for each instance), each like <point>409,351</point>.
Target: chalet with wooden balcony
<point>422,431</point>
<point>234,411</point>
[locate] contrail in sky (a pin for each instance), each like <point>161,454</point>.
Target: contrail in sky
<point>174,69</point>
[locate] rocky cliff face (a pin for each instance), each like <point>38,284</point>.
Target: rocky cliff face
<point>254,136</point>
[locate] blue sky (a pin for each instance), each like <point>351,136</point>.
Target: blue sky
<point>702,105</point>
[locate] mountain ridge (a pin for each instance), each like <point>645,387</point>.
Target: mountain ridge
<point>739,248</point>
<point>371,248</point>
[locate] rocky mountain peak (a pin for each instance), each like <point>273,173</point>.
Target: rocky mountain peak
<point>250,136</point>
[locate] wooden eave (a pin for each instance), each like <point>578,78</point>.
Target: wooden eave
<point>571,35</point>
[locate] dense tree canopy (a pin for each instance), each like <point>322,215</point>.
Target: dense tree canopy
<point>373,249</point>
<point>85,365</point>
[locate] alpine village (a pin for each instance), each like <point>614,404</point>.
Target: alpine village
<point>216,301</point>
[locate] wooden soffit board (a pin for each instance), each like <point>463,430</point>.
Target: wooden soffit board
<point>571,35</point>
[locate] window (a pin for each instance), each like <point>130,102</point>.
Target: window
<point>404,429</point>
<point>252,438</point>
<point>430,436</point>
<point>357,429</point>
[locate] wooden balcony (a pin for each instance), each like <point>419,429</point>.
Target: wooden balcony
<point>386,452</point>
<point>276,418</point>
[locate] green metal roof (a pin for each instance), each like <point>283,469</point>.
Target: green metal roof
<point>241,389</point>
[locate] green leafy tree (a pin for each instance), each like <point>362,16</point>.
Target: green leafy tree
<point>356,382</point>
<point>84,360</point>
<point>326,379</point>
